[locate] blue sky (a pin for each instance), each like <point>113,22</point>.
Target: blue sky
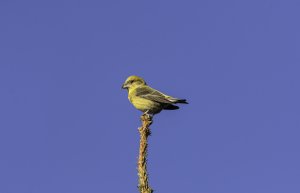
<point>67,127</point>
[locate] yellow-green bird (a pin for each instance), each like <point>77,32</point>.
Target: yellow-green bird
<point>147,99</point>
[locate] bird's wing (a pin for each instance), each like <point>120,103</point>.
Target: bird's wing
<point>152,94</point>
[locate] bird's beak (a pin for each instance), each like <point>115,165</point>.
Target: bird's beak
<point>124,86</point>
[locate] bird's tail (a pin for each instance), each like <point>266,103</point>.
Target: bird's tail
<point>182,101</point>
<point>176,100</point>
<point>170,107</point>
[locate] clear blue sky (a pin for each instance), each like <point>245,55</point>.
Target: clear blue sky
<point>67,127</point>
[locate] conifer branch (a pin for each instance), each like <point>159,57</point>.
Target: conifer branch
<point>143,152</point>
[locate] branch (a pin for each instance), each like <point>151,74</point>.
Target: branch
<point>142,160</point>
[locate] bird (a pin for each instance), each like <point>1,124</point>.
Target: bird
<point>147,99</point>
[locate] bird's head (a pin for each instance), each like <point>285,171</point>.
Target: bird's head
<point>133,81</point>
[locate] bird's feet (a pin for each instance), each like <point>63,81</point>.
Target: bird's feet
<point>146,113</point>
<point>148,116</point>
